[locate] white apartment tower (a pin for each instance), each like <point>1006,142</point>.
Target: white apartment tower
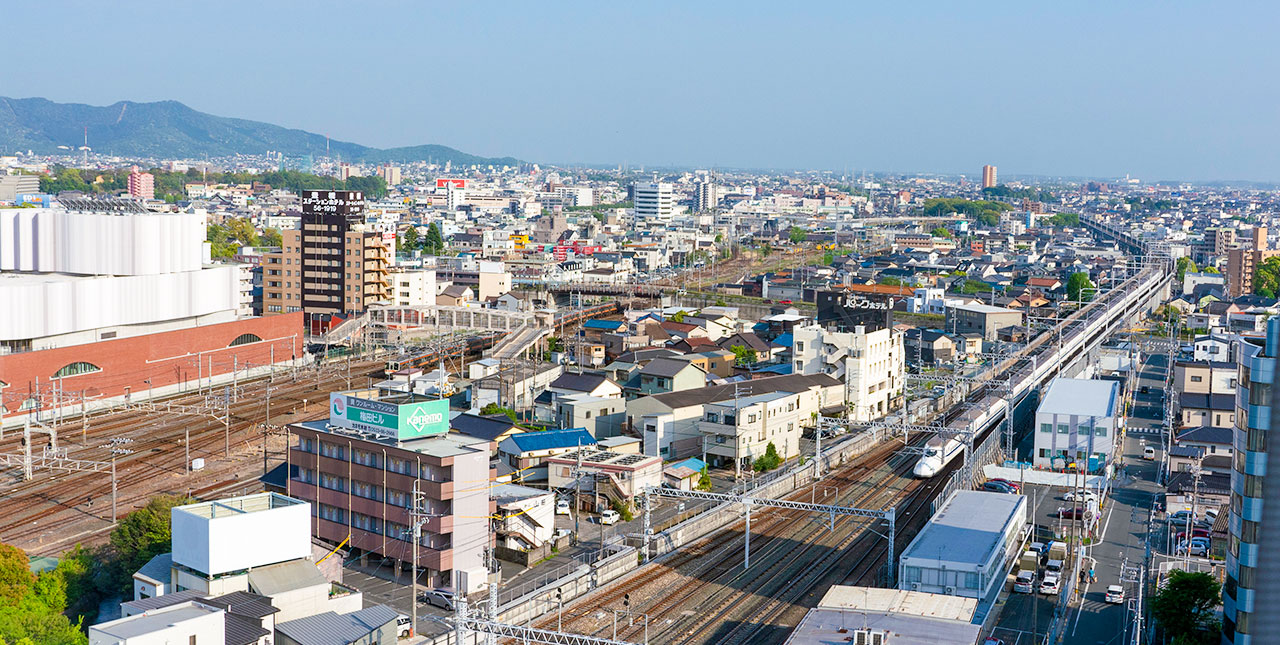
<point>869,362</point>
<point>705,196</point>
<point>654,201</point>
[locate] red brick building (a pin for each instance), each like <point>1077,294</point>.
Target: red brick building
<point>173,361</point>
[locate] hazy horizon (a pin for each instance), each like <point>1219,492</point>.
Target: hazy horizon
<point>1158,91</point>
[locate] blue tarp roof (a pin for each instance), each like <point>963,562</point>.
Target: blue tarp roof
<point>692,462</point>
<point>603,324</point>
<point>551,439</point>
<point>786,340</point>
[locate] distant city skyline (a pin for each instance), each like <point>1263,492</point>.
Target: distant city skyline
<point>1157,91</point>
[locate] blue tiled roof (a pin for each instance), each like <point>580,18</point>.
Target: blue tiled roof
<point>786,340</point>
<point>551,439</point>
<point>603,324</point>
<point>692,462</point>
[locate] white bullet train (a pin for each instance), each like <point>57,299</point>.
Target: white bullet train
<point>937,453</point>
<point>941,450</point>
<point>1036,364</point>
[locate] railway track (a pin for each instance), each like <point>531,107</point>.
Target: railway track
<point>49,513</point>
<point>692,590</point>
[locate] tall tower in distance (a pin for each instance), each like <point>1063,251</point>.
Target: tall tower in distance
<point>988,176</point>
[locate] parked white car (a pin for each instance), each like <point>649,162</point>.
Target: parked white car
<point>610,516</point>
<point>1050,585</point>
<point>1025,582</point>
<point>562,507</point>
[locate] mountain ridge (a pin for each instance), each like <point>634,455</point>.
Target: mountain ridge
<point>171,129</point>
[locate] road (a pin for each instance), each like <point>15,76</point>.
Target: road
<point>1025,618</point>
<point>1124,530</point>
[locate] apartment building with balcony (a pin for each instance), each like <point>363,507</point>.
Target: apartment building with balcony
<point>334,264</point>
<point>869,361</point>
<point>360,469</point>
<point>1249,497</point>
<point>740,430</point>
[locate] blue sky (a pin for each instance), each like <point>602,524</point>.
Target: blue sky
<point>1162,90</point>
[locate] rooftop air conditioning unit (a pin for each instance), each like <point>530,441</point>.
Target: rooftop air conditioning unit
<point>951,590</point>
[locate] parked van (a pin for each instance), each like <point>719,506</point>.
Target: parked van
<point>1149,453</point>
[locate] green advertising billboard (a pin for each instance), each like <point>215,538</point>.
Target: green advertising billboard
<point>398,421</point>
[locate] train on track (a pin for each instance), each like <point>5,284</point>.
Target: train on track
<point>430,358</point>
<point>1029,367</point>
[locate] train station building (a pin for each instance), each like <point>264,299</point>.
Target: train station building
<point>107,300</point>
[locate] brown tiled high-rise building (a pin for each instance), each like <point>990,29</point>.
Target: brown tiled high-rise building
<point>334,264</point>
<point>1241,263</point>
<point>988,176</point>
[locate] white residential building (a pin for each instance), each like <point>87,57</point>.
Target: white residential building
<point>740,430</point>
<point>654,201</point>
<point>413,288</point>
<point>188,622</point>
<point>1077,420</point>
<point>931,300</point>
<point>869,362</point>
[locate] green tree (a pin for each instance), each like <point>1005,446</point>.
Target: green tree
<point>1210,269</point>
<point>743,355</point>
<point>765,250</point>
<point>434,242</point>
<point>271,236</point>
<point>941,232</point>
<point>678,317</point>
<point>373,187</point>
<point>1266,277</point>
<point>31,606</point>
<point>494,408</point>
<point>891,281</point>
<point>1185,606</point>
<point>1184,265</point>
<point>1079,287</point>
<point>797,235</point>
<point>971,287</point>
<point>770,460</point>
<point>555,344</point>
<point>409,241</point>
<point>142,535</point>
<point>1063,219</point>
<point>704,479</point>
<point>829,258</point>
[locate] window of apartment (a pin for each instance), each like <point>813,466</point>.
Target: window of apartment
<point>366,490</point>
<point>365,458</point>
<point>398,498</point>
<point>713,417</point>
<point>751,418</point>
<point>1046,427</point>
<point>402,466</point>
<point>366,523</point>
<point>1197,379</point>
<point>333,482</point>
<point>332,450</point>
<point>1063,428</point>
<point>332,513</point>
<point>1100,431</point>
<point>799,346</point>
<point>307,444</point>
<point>306,476</point>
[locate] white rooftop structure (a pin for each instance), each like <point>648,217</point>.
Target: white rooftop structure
<point>963,548</point>
<point>897,616</point>
<point>1081,397</point>
<point>241,533</point>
